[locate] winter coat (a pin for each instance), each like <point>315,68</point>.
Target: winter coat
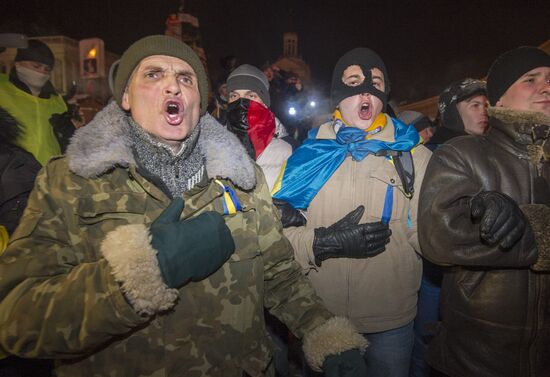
<point>80,282</point>
<point>495,309</point>
<point>377,293</point>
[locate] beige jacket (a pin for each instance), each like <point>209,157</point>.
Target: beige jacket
<point>378,293</point>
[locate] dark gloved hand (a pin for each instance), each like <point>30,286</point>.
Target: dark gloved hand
<point>290,216</point>
<point>346,364</point>
<point>190,249</point>
<point>349,239</point>
<point>502,222</point>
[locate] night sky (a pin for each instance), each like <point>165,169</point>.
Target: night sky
<point>425,44</point>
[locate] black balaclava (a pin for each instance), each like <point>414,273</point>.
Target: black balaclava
<point>367,60</point>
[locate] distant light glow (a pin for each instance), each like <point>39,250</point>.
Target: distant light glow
<point>92,53</point>
<point>291,111</point>
<point>312,103</point>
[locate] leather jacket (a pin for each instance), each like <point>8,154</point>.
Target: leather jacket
<point>495,309</point>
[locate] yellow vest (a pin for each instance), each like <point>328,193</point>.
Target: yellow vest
<point>33,114</point>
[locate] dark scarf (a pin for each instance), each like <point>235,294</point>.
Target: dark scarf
<point>178,172</point>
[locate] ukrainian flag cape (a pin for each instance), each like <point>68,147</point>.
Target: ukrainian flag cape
<point>314,162</point>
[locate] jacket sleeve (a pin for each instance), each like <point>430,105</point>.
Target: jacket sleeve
<point>57,300</point>
<point>288,294</point>
<point>421,157</point>
<point>290,297</point>
<point>301,239</point>
<point>447,234</point>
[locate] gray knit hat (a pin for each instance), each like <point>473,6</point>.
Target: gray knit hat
<point>159,45</point>
<point>249,77</point>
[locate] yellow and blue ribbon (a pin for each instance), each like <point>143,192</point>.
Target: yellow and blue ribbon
<point>231,203</point>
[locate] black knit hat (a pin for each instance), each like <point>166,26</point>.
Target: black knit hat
<point>249,77</point>
<point>37,51</point>
<point>510,66</point>
<point>457,92</point>
<point>159,45</point>
<point>367,60</point>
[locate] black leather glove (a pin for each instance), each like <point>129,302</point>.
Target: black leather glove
<point>346,364</point>
<point>501,220</point>
<point>190,249</point>
<point>349,239</point>
<point>290,216</point>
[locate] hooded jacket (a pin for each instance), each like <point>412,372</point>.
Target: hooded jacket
<point>82,260</point>
<point>494,306</point>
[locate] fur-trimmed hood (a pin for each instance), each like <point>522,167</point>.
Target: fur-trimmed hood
<point>105,143</point>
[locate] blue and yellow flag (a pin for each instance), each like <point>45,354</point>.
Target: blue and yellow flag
<point>314,162</point>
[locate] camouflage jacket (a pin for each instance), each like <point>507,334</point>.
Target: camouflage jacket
<point>80,283</point>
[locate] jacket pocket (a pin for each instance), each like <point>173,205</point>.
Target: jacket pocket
<point>243,226</point>
<point>124,208</point>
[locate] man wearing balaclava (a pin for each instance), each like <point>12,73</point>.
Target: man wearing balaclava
<point>152,247</point>
<point>28,96</point>
<point>484,213</point>
<point>358,181</point>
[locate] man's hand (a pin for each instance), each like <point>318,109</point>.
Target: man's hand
<point>349,239</point>
<point>290,216</point>
<point>501,220</point>
<point>346,364</point>
<point>190,249</point>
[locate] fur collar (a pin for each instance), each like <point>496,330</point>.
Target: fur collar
<point>104,143</point>
<point>526,118</point>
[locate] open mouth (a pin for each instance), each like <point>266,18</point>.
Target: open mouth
<point>173,112</point>
<point>365,111</point>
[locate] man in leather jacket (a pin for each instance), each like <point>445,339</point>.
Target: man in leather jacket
<point>484,212</point>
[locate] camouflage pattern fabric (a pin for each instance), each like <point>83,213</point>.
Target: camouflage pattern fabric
<point>60,299</point>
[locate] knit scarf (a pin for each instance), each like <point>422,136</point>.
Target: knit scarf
<point>314,162</point>
<point>178,171</point>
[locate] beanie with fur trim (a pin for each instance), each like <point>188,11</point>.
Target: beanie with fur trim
<point>456,92</point>
<point>159,45</point>
<point>510,66</point>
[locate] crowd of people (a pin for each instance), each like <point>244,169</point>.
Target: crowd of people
<point>173,236</point>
